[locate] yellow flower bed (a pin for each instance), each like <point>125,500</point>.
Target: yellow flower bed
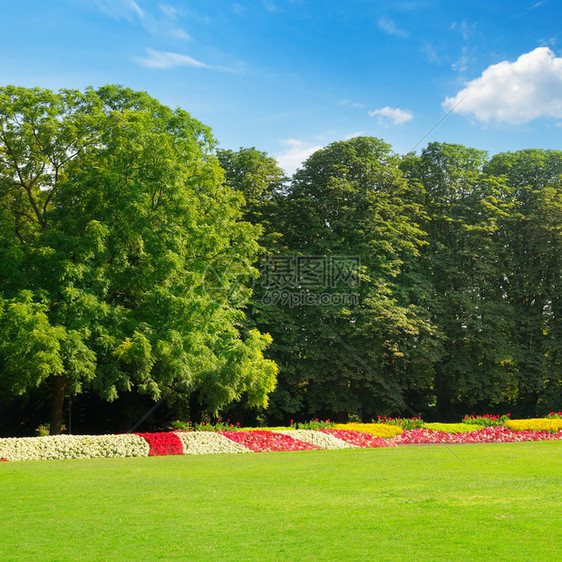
<point>453,427</point>
<point>535,424</point>
<point>379,429</point>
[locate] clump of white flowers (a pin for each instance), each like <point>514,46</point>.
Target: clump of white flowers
<point>318,438</point>
<point>208,443</point>
<point>73,447</point>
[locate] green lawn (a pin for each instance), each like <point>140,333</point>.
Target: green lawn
<point>467,502</point>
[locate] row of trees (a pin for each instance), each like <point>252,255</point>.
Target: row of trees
<point>129,246</point>
<point>459,304</point>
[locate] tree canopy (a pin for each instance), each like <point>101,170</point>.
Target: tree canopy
<point>113,208</point>
<point>457,308</point>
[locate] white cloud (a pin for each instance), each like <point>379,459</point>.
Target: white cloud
<point>514,92</point>
<point>393,114</point>
<point>121,9</point>
<point>389,27</point>
<point>430,53</point>
<point>296,153</point>
<point>161,24</point>
<point>464,29</point>
<point>168,10</point>
<point>164,60</point>
<point>465,60</point>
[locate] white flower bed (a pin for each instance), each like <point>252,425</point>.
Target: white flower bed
<point>323,440</point>
<point>208,443</point>
<point>73,447</point>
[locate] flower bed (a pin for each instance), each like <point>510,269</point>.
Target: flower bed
<point>319,438</point>
<point>379,429</point>
<point>494,420</point>
<point>261,441</point>
<point>484,435</point>
<point>208,442</point>
<point>537,424</point>
<point>73,447</point>
<point>452,427</point>
<point>357,438</point>
<point>163,444</point>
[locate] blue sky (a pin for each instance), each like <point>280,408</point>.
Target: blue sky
<point>290,76</point>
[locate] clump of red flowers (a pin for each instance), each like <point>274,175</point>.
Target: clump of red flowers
<point>162,444</point>
<point>487,420</point>
<point>405,423</point>
<point>312,424</point>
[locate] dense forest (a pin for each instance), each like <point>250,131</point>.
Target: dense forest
<point>147,276</point>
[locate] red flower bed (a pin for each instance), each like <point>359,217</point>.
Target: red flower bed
<point>485,435</point>
<point>357,438</point>
<point>260,441</point>
<point>1,460</point>
<point>162,444</point>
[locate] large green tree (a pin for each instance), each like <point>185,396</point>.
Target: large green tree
<point>351,339</point>
<point>258,178</point>
<point>263,185</point>
<point>533,273</point>
<point>463,271</point>
<point>113,211</point>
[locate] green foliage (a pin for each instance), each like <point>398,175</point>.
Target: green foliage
<point>462,270</point>
<point>113,209</point>
<point>203,426</point>
<point>532,284</point>
<point>257,177</point>
<point>350,199</point>
<point>128,253</point>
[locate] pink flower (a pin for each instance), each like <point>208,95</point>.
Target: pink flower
<point>357,438</point>
<point>261,441</point>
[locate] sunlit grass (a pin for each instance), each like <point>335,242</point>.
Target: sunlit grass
<point>466,502</point>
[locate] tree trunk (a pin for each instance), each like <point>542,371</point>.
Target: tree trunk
<point>443,394</point>
<point>195,408</point>
<point>57,404</point>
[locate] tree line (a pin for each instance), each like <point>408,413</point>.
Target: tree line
<point>140,265</point>
<point>458,306</point>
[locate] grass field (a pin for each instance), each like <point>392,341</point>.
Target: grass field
<point>466,502</point>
